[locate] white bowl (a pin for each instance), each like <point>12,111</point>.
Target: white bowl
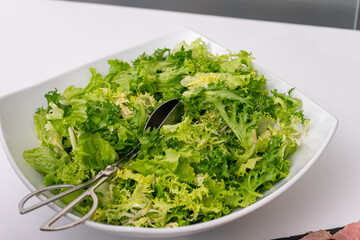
<point>17,132</point>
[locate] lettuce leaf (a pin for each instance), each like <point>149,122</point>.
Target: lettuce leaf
<point>43,160</point>
<point>234,142</point>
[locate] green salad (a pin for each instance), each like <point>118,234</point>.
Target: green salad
<point>232,144</point>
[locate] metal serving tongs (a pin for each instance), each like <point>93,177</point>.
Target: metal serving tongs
<point>170,112</point>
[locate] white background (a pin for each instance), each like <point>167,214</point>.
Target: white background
<point>41,39</point>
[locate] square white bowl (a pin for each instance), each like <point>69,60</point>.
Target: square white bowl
<point>17,131</point>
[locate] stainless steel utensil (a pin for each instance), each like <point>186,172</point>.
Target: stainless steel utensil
<point>167,113</point>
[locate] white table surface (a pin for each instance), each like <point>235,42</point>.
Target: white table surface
<point>41,39</point>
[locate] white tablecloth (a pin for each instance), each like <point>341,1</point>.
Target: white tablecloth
<point>41,39</point>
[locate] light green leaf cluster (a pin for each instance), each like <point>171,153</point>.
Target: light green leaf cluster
<point>233,143</point>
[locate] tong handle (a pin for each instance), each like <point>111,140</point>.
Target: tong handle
<point>90,192</point>
<point>105,173</point>
<point>47,226</point>
<point>23,209</point>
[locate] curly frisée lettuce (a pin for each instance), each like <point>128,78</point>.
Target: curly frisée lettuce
<point>233,143</point>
